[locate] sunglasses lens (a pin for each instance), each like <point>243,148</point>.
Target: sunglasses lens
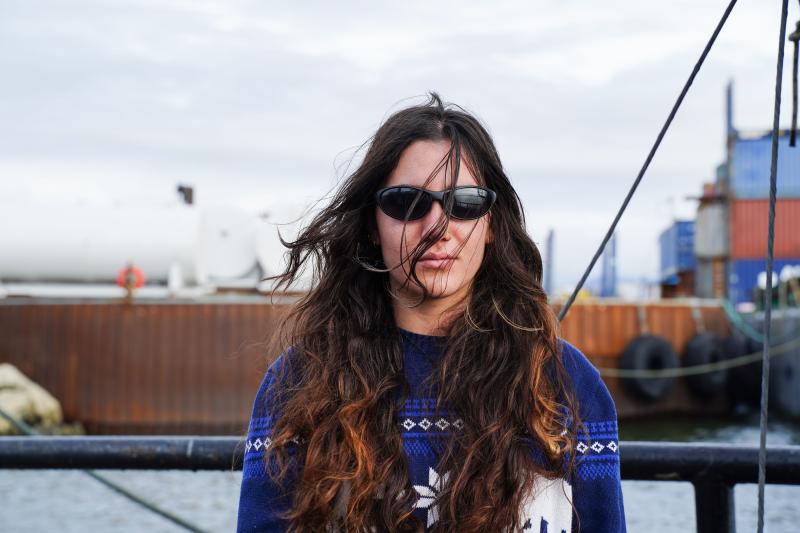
<point>397,201</point>
<point>471,203</point>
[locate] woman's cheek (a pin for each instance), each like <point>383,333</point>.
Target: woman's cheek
<point>395,248</point>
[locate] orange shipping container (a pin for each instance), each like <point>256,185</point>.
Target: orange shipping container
<point>748,228</point>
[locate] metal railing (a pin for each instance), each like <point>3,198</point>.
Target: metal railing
<point>713,469</point>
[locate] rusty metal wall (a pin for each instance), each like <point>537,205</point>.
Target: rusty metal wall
<point>193,367</point>
<point>144,368</point>
<point>602,329</point>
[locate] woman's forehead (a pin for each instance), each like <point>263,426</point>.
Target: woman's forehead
<point>420,159</point>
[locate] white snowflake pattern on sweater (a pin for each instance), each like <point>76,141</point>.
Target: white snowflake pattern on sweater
<point>427,494</point>
<point>547,508</point>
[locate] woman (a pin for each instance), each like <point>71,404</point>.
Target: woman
<point>426,388</point>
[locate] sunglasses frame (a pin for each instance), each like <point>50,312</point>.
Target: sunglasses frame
<point>438,196</point>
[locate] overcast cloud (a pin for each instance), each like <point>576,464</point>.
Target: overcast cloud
<point>117,101</point>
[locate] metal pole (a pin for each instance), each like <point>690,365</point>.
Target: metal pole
<point>714,507</point>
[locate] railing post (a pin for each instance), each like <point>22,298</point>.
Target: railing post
<point>714,507</point>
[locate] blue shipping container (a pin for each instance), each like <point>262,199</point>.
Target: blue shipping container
<point>743,276</point>
<point>750,168</point>
<point>677,248</point>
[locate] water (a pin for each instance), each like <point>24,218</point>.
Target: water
<point>669,506</point>
<point>70,502</point>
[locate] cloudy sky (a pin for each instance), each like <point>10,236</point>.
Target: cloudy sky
<point>262,104</point>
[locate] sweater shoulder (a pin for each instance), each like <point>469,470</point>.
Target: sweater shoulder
<point>597,449</point>
<point>275,384</point>
<point>583,373</point>
<point>594,399</point>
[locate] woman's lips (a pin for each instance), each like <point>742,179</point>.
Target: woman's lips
<point>436,261</point>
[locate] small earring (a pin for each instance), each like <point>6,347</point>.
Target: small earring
<point>376,265</point>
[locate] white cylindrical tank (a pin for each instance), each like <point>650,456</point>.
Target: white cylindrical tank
<point>92,243</point>
<point>227,245</point>
<point>283,222</point>
<point>711,231</point>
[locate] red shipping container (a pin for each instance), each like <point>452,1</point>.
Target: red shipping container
<point>748,228</point>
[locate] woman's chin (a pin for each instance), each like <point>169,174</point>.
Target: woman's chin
<point>435,286</point>
<point>434,292</point>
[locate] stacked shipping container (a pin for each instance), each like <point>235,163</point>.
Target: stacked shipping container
<point>748,226</point>
<point>711,243</point>
<point>677,259</point>
<point>750,162</point>
<point>748,191</point>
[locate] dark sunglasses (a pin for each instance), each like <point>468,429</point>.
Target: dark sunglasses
<point>404,202</point>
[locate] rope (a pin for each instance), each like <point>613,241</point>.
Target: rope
<point>25,429</point>
<point>19,425</point>
<point>746,329</point>
<point>697,369</point>
<point>647,161</point>
<point>773,180</point>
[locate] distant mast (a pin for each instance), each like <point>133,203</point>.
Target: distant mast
<point>608,283</point>
<point>548,265</point>
<point>731,131</point>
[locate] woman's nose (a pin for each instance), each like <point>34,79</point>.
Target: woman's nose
<point>432,217</point>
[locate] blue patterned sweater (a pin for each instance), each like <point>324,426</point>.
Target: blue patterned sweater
<point>594,488</point>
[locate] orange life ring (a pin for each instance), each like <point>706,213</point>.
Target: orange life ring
<point>129,273</point>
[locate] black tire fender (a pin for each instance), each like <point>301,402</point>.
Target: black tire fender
<point>648,352</point>
<point>702,349</point>
<point>744,381</point>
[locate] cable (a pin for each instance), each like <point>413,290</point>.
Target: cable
<point>773,180</point>
<point>652,153</point>
<point>794,37</point>
<point>697,369</point>
<point>25,429</point>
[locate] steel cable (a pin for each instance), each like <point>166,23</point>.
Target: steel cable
<point>773,181</point>
<point>794,37</point>
<point>647,161</point>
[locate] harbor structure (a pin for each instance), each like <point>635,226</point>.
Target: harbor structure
<point>677,259</point>
<point>731,223</point>
<point>185,352</point>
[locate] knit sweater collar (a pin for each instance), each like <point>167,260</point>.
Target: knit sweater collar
<point>425,343</point>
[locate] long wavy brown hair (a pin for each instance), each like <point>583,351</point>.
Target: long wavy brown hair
<point>344,383</point>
